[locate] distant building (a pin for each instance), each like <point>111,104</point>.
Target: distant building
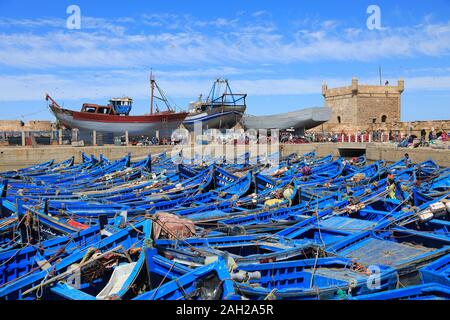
<point>359,106</point>
<point>18,126</point>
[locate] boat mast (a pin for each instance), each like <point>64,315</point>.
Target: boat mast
<point>152,89</point>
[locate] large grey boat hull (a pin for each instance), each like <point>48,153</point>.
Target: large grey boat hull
<point>299,120</point>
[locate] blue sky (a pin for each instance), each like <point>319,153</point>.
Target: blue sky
<point>279,52</point>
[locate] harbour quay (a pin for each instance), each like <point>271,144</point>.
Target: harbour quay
<point>18,157</point>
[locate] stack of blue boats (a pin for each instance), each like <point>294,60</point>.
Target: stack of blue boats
<point>310,228</point>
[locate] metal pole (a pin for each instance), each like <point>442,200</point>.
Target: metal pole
<point>94,138</point>
<point>60,137</point>
<point>127,140</point>
<point>152,89</point>
<point>380,77</point>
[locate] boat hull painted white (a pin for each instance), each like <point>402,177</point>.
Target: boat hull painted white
<point>220,120</point>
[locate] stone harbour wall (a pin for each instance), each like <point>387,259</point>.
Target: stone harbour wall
<point>18,126</point>
<point>18,157</point>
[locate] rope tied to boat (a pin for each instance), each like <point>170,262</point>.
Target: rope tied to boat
<point>271,295</point>
<point>352,285</point>
<point>341,294</point>
<point>360,268</point>
<point>40,289</point>
<point>404,187</point>
<point>28,218</point>
<point>92,270</point>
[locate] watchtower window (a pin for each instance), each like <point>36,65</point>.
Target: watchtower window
<point>383,118</point>
<point>339,119</point>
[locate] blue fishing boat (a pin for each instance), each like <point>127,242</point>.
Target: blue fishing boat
<point>429,291</point>
<point>437,271</point>
<point>308,228</point>
<point>405,250</point>
<point>322,278</point>
<point>211,282</point>
<point>32,285</point>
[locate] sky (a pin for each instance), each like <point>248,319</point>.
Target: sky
<point>278,52</point>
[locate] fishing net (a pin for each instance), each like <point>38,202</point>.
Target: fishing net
<point>169,226</point>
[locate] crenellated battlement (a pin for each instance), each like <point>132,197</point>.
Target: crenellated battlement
<point>362,104</point>
<point>363,89</point>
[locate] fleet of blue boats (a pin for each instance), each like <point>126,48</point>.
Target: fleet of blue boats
<point>310,228</point>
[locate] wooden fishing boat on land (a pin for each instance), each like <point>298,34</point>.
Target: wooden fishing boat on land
<point>115,117</point>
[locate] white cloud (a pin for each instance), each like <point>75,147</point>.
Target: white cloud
<point>429,83</point>
<point>99,85</point>
<point>106,58</point>
<point>116,26</point>
<point>103,43</point>
<point>32,23</point>
<point>260,13</point>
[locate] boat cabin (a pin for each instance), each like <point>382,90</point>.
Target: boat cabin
<point>220,98</point>
<point>116,106</point>
<point>198,106</point>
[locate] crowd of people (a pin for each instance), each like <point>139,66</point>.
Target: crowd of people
<point>425,139</point>
<point>153,141</point>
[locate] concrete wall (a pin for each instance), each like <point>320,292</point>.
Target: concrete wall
<point>392,154</point>
<point>404,128</point>
<point>321,149</point>
<point>17,157</point>
<point>374,151</point>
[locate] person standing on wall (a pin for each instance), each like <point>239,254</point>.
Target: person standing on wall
<point>444,135</point>
<point>423,134</point>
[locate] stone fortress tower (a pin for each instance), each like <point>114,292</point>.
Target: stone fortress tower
<point>363,106</point>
